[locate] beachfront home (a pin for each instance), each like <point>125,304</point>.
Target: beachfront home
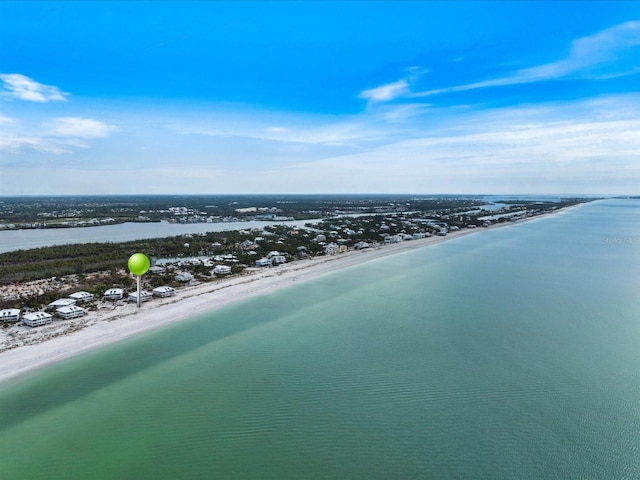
<point>9,315</point>
<point>145,296</point>
<point>334,248</point>
<point>62,302</point>
<point>114,294</point>
<point>72,311</point>
<point>263,262</point>
<point>221,270</point>
<point>81,296</point>
<point>35,319</point>
<point>276,257</point>
<point>164,291</point>
<point>184,277</point>
<point>157,270</point>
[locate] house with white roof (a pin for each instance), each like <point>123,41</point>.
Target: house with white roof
<point>61,302</point>
<point>36,319</point>
<point>9,315</point>
<point>334,248</point>
<point>114,294</point>
<point>81,296</point>
<point>145,296</point>
<point>221,270</point>
<point>276,257</point>
<point>72,311</point>
<point>184,277</point>
<point>164,291</point>
<point>263,262</point>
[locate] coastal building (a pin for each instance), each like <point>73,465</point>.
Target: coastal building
<point>334,248</point>
<point>157,270</point>
<point>61,302</point>
<point>114,294</point>
<point>164,291</point>
<point>145,296</point>
<point>36,319</point>
<point>248,245</point>
<point>276,257</point>
<point>72,311</point>
<point>263,262</point>
<point>81,296</point>
<point>9,315</point>
<point>184,277</point>
<point>221,270</point>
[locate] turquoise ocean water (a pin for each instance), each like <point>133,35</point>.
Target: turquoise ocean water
<point>512,353</point>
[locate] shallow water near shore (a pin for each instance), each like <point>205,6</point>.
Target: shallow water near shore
<point>511,353</point>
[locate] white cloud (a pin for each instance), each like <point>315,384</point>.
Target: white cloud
<point>22,87</point>
<point>323,131</point>
<point>563,148</point>
<point>391,91</point>
<point>587,54</point>
<point>58,136</point>
<point>80,128</point>
<point>387,92</point>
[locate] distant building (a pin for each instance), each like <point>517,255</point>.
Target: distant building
<point>114,294</point>
<point>334,248</point>
<point>61,302</point>
<point>184,277</point>
<point>164,291</point>
<point>221,270</point>
<point>36,319</point>
<point>10,315</point>
<point>263,262</point>
<point>72,311</point>
<point>276,257</point>
<point>81,296</point>
<point>145,296</point>
<point>157,270</point>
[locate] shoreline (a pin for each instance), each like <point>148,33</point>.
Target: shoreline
<point>101,328</point>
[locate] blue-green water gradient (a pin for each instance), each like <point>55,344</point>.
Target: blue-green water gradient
<point>511,353</point>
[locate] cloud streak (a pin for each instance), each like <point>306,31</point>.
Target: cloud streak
<point>57,136</point>
<point>21,87</point>
<point>587,54</point>
<point>596,56</point>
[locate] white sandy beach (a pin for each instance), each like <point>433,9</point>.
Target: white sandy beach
<point>62,339</point>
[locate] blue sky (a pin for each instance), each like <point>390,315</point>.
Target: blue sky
<point>319,97</point>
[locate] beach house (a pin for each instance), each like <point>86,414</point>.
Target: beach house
<point>61,302</point>
<point>35,319</point>
<point>276,257</point>
<point>145,296</point>
<point>184,277</point>
<point>114,294</point>
<point>221,270</point>
<point>81,296</point>
<point>9,315</point>
<point>164,291</point>
<point>72,311</point>
<point>263,262</point>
